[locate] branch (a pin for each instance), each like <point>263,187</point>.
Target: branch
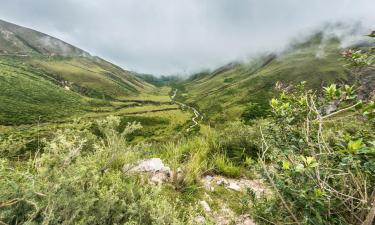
<point>273,184</point>
<point>340,111</point>
<point>371,215</point>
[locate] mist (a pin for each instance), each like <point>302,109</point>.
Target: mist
<point>169,37</point>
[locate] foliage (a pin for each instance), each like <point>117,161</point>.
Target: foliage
<point>357,58</point>
<point>78,180</point>
<point>324,173</point>
<point>254,111</point>
<point>225,167</point>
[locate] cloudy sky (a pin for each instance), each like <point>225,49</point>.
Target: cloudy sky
<point>180,36</point>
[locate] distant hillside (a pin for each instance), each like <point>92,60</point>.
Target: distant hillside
<point>44,76</point>
<point>227,91</point>
<point>21,40</point>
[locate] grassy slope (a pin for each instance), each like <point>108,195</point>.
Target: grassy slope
<point>25,95</point>
<point>224,94</point>
<point>43,78</point>
<point>33,87</point>
<point>92,77</point>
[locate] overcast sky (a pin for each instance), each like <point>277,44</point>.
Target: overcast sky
<point>180,36</point>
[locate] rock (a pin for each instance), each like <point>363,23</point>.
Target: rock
<point>257,186</point>
<point>205,206</point>
<point>150,165</point>
<point>159,178</point>
<point>159,172</point>
<point>221,181</point>
<point>244,220</point>
<point>207,183</point>
<point>209,178</point>
<point>224,216</point>
<point>234,186</point>
<point>200,220</point>
<point>330,108</point>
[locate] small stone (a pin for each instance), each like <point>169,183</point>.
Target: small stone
<point>234,186</point>
<point>209,178</point>
<point>205,206</point>
<point>200,219</point>
<point>221,181</point>
<point>244,220</point>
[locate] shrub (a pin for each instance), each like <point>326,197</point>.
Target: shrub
<point>224,166</point>
<point>254,111</point>
<point>318,181</point>
<point>78,180</point>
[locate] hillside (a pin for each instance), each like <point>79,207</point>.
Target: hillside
<point>227,92</point>
<point>15,39</point>
<point>44,78</point>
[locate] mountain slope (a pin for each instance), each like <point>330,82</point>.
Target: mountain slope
<point>226,92</point>
<point>42,76</point>
<point>21,40</point>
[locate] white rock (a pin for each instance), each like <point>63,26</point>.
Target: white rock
<point>159,178</point>
<point>147,165</point>
<point>200,220</point>
<point>159,172</point>
<point>221,181</point>
<point>209,178</point>
<point>205,206</point>
<point>150,165</point>
<point>207,182</point>
<point>244,220</point>
<point>234,186</point>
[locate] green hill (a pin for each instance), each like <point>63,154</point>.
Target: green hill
<point>45,78</point>
<point>227,91</point>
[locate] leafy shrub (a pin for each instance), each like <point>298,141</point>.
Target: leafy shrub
<point>237,141</point>
<point>322,174</point>
<point>78,180</point>
<point>254,111</point>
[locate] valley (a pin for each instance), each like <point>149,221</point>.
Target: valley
<point>283,138</point>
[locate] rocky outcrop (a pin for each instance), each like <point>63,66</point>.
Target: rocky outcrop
<point>154,166</point>
<point>257,186</point>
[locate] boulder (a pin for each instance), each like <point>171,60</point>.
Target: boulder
<point>150,165</point>
<point>159,172</point>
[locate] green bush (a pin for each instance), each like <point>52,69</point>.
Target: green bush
<point>254,111</point>
<point>323,173</point>
<point>78,180</point>
<point>226,167</point>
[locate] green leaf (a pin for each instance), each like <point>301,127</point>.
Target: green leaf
<point>300,167</point>
<point>286,165</point>
<point>309,160</point>
<point>318,192</point>
<point>353,146</point>
<point>274,103</point>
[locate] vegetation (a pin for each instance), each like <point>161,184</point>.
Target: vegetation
<point>322,167</point>
<point>269,146</point>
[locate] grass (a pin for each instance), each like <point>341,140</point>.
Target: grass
<point>34,89</point>
<point>26,97</point>
<point>90,78</point>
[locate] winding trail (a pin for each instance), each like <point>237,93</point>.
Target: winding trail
<point>195,111</point>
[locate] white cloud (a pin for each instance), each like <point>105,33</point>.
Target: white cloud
<point>170,36</point>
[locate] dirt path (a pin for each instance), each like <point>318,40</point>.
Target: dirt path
<point>195,111</point>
